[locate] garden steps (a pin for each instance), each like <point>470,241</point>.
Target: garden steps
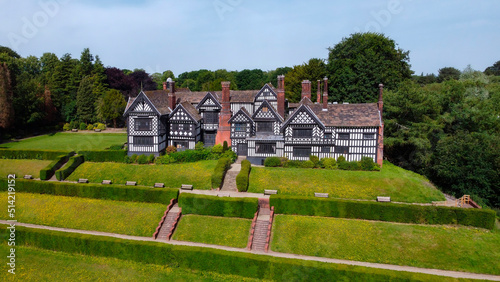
<point>229,184</point>
<point>261,226</point>
<point>170,220</point>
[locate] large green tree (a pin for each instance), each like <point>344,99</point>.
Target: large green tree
<point>448,73</point>
<point>313,70</point>
<point>86,99</point>
<point>359,63</point>
<point>111,106</point>
<point>493,70</point>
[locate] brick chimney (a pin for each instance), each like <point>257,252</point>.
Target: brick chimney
<point>380,102</point>
<point>306,89</point>
<point>318,93</point>
<point>224,130</point>
<point>171,95</point>
<point>380,130</point>
<point>281,95</point>
<point>325,94</point>
<point>164,85</point>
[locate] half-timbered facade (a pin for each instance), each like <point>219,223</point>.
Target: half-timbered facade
<point>257,123</point>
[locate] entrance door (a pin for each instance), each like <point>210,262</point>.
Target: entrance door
<point>242,149</point>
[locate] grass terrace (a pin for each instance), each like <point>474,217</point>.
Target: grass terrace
<point>129,218</point>
<point>42,265</point>
<point>401,185</point>
<point>69,141</point>
<point>173,175</point>
<point>22,167</point>
<point>441,247</point>
<point>225,231</point>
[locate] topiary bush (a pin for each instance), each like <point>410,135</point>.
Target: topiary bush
<point>217,149</point>
<point>307,164</point>
<point>83,126</point>
<point>31,154</point>
<point>116,156</point>
<point>225,147</point>
<point>47,172</point>
<point>329,163</point>
<point>220,171</point>
<point>315,160</point>
<point>243,176</point>
<point>70,166</point>
<point>272,162</point>
<point>218,206</point>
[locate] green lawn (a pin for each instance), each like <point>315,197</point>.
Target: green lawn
<point>22,167</point>
<point>33,264</point>
<point>225,231</point>
<point>69,141</point>
<point>173,175</point>
<point>129,218</point>
<point>441,247</point>
<point>401,185</point>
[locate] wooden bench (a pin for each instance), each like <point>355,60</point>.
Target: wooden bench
<point>28,176</point>
<point>223,195</point>
<point>106,182</point>
<point>383,199</point>
<point>187,187</point>
<point>270,192</point>
<point>159,185</point>
<point>83,180</point>
<point>74,130</point>
<point>321,195</point>
<point>131,183</point>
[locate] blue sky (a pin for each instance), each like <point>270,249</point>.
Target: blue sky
<point>246,34</point>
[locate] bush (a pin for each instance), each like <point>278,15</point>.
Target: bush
<point>171,149</point>
<point>229,154</point>
<point>47,172</point>
<point>199,146</point>
<point>392,212</point>
<point>328,163</point>
<point>74,124</point>
<point>70,166</point>
<point>96,191</point>
<point>133,158</point>
<point>219,172</point>
<point>341,159</point>
<point>368,164</point>
<point>217,149</point>
<point>272,162</point>
<point>225,147</point>
<point>104,156</point>
<point>66,127</point>
<point>293,164</point>
<point>83,126</point>
<point>90,127</point>
<point>101,126</point>
<point>206,259</point>
<point>284,161</point>
<point>314,160</point>
<point>307,164</point>
<point>127,159</point>
<point>115,147</point>
<point>151,159</point>
<point>163,160</point>
<point>218,206</point>
<point>31,154</point>
<point>243,176</point>
<point>142,159</point>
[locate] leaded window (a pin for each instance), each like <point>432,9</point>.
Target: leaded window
<point>240,127</point>
<point>344,136</point>
<point>143,124</point>
<point>143,140</point>
<point>369,136</point>
<point>211,117</point>
<point>342,149</point>
<point>265,148</point>
<point>303,133</point>
<point>264,126</point>
<point>301,151</point>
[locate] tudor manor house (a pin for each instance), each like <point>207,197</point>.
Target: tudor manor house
<point>256,123</point>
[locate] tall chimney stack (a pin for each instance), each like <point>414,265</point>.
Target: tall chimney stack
<point>380,102</point>
<point>318,93</point>
<point>306,89</point>
<point>325,94</point>
<point>171,95</point>
<point>281,95</point>
<point>164,85</point>
<point>224,130</point>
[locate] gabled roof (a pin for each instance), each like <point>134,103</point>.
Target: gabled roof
<point>304,107</point>
<point>268,87</point>
<point>189,109</point>
<point>211,96</point>
<point>243,112</point>
<point>155,102</point>
<point>273,111</point>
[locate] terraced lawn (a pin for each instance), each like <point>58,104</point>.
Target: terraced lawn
<point>401,185</point>
<point>22,167</point>
<point>441,247</point>
<point>129,218</point>
<point>65,141</point>
<point>224,231</point>
<point>173,175</point>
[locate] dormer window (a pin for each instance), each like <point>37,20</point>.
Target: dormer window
<point>143,124</point>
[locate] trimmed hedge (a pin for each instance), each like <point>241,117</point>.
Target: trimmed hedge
<point>31,154</point>
<point>117,156</point>
<point>207,259</point>
<point>218,206</point>
<point>95,191</point>
<point>392,212</point>
<point>243,176</point>
<point>70,166</point>
<point>222,166</point>
<point>47,172</point>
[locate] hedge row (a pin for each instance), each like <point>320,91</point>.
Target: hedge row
<point>218,206</point>
<point>95,191</point>
<point>243,175</point>
<point>222,166</point>
<point>70,166</point>
<point>31,154</point>
<point>206,259</point>
<point>117,156</point>
<point>47,172</point>
<point>405,213</point>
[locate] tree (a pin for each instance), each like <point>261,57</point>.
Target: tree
<point>250,79</point>
<point>447,74</point>
<point>6,109</point>
<point>111,106</point>
<point>313,70</point>
<point>86,65</point>
<point>359,63</point>
<point>493,70</point>
<point>85,100</point>
<point>116,79</point>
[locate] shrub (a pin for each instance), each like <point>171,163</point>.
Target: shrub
<point>163,160</point>
<point>293,164</point>
<point>133,158</point>
<point>83,126</point>
<point>217,149</point>
<point>66,127</point>
<point>117,156</point>
<point>31,154</point>
<point>47,172</point>
<point>392,212</point>
<point>96,191</point>
<point>315,160</point>
<point>171,149</point>
<point>307,164</point>
<point>243,176</point>
<point>151,159</point>
<point>367,163</point>
<point>272,162</point>
<point>74,124</point>
<point>329,163</point>
<point>229,154</point>
<point>115,147</point>
<point>101,126</point>
<point>199,146</point>
<point>127,159</point>
<point>142,159</point>
<point>219,172</point>
<point>341,159</point>
<point>224,146</point>
<point>218,206</point>
<point>70,166</point>
<point>284,161</point>
<point>90,127</point>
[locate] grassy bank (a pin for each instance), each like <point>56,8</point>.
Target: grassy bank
<point>22,167</point>
<point>401,185</point>
<point>442,247</point>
